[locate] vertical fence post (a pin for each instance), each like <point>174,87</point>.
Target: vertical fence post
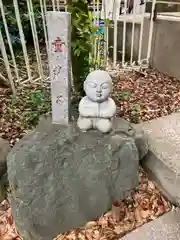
<point>35,37</point>
<point>124,34</point>
<point>132,37</point>
<point>116,8</point>
<point>6,62</point>
<point>59,35</point>
<point>98,40</point>
<point>58,5</point>
<point>141,35</point>
<point>53,5</point>
<point>151,31</point>
<point>43,13</point>
<point>9,40</point>
<point>103,15</point>
<point>23,42</point>
<point>65,3</point>
<point>94,50</point>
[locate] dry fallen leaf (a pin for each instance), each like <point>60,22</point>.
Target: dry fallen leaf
<point>91,224</point>
<point>7,226</point>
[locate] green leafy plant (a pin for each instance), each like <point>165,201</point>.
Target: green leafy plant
<point>136,109</point>
<point>135,113</point>
<point>28,108</point>
<point>12,22</point>
<point>86,33</point>
<point>124,95</point>
<point>82,34</point>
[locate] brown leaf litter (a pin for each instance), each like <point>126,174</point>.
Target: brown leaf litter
<point>146,204</point>
<point>7,226</point>
<point>10,129</point>
<point>21,114</point>
<point>142,96</point>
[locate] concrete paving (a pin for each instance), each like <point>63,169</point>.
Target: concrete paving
<point>166,227</point>
<point>163,160</point>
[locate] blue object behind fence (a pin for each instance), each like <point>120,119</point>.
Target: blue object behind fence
<point>101,26</point>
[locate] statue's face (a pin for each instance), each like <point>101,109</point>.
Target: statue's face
<point>98,86</point>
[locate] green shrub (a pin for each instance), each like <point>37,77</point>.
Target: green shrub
<point>12,22</point>
<point>82,35</point>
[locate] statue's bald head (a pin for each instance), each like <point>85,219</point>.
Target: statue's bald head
<point>98,85</point>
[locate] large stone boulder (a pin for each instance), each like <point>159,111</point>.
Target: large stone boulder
<point>60,178</point>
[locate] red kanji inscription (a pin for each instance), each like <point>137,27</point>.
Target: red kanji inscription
<point>58,43</point>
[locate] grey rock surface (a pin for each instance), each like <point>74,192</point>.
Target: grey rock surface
<point>61,178</point>
<point>162,162</point>
<point>166,227</point>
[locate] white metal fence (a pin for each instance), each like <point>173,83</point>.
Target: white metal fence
<point>118,12</point>
<point>30,63</point>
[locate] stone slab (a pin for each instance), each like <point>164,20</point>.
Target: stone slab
<point>166,227</point>
<point>163,159</point>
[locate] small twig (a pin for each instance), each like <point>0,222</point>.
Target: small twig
<point>118,210</point>
<point>15,113</point>
<point>3,80</point>
<point>140,72</point>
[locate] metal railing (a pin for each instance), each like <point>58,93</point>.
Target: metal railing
<point>117,12</point>
<point>28,64</point>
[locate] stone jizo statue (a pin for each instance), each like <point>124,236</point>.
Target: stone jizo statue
<point>97,109</point>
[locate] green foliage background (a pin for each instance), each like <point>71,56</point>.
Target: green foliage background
<point>12,22</point>
<point>82,35</point>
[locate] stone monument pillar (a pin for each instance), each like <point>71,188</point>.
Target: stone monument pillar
<point>59,34</point>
